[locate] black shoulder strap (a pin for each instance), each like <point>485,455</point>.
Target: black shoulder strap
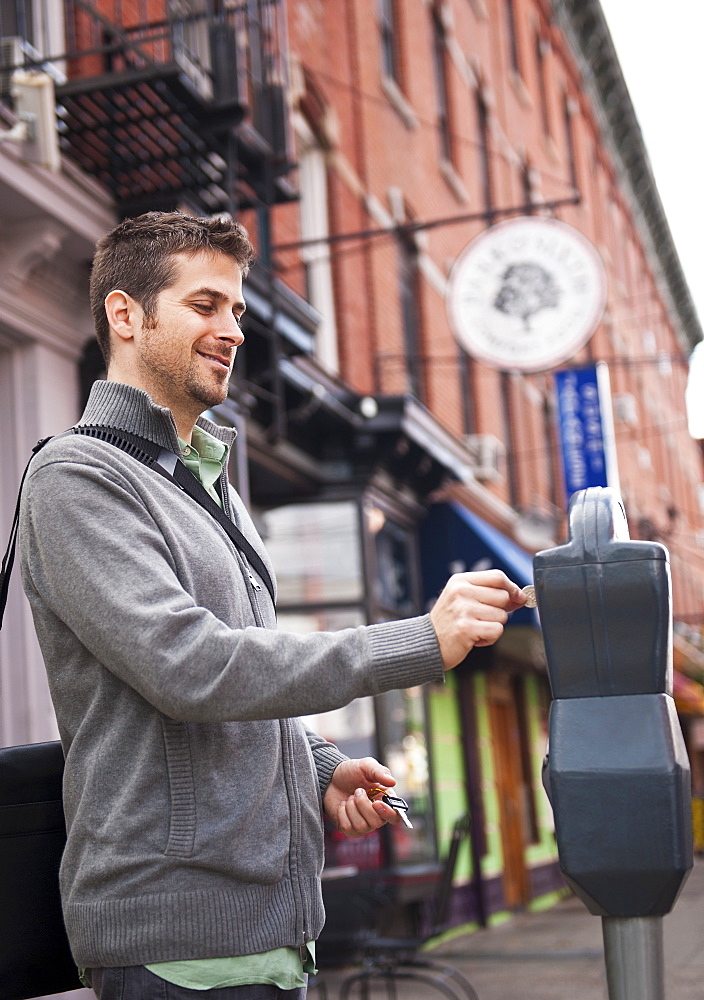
<point>148,454</point>
<point>9,558</point>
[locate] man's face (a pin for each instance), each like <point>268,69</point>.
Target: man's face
<point>187,351</point>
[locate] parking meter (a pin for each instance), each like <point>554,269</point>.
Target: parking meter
<point>617,772</point>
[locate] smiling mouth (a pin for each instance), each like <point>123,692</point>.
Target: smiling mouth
<point>217,359</point>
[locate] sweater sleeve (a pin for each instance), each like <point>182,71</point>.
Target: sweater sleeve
<point>99,569</point>
<point>326,757</point>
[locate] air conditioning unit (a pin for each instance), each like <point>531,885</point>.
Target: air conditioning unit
<point>16,53</point>
<point>487,456</point>
<point>34,100</point>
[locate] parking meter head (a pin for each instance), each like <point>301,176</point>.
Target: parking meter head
<point>617,772</point>
<point>605,605</point>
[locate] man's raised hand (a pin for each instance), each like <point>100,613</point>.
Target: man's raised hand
<point>472,611</point>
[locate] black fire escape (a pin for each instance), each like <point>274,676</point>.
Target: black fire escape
<point>185,110</point>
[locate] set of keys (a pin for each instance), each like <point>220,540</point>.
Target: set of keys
<point>395,801</point>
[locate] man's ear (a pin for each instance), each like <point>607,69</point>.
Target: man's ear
<point>124,314</point>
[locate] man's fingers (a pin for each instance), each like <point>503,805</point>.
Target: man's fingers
<point>494,579</point>
<point>376,773</point>
<point>472,611</point>
<point>386,813</point>
<point>492,587</point>
<point>357,815</point>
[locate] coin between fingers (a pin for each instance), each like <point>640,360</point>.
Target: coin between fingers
<point>529,593</point>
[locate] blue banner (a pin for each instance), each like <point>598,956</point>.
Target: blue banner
<point>581,426</point>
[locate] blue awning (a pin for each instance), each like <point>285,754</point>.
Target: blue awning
<point>454,539</point>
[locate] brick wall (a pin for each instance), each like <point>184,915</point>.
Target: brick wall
<point>542,133</point>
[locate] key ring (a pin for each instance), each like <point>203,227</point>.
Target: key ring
<point>394,801</point>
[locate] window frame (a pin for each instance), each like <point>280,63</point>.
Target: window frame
<point>442,85</point>
<point>389,41</point>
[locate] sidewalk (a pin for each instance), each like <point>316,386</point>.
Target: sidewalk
<point>558,955</point>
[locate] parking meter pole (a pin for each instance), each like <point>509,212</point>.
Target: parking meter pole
<point>617,772</point>
<point>633,948</point>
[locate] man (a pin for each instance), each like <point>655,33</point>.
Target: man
<point>193,793</point>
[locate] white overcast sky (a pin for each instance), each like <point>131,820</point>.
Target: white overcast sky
<point>660,50</point>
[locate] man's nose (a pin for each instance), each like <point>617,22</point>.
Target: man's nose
<point>230,330</point>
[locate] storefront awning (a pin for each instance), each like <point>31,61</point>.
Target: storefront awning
<point>455,539</point>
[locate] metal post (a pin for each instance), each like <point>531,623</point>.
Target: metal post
<point>633,948</point>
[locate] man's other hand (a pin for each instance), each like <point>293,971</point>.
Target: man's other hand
<point>472,611</point>
<point>346,802</point>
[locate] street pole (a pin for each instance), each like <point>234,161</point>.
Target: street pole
<point>633,948</point>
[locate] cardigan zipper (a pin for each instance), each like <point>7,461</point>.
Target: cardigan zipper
<point>287,736</point>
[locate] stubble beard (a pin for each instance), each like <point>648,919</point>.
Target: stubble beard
<point>180,383</point>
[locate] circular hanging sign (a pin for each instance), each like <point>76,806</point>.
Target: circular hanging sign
<point>526,294</point>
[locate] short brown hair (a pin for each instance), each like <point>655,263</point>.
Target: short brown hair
<point>137,256</point>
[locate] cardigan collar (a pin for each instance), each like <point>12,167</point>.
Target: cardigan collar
<point>114,404</point>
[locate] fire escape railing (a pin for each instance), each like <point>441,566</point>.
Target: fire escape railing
<point>189,105</point>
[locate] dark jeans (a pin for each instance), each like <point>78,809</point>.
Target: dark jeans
<point>134,982</point>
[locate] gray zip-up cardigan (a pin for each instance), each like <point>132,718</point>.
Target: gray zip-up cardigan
<point>192,791</point>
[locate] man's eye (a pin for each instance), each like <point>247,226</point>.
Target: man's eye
<point>204,307</point>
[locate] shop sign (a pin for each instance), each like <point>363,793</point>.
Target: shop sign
<point>526,294</point>
<point>585,428</point>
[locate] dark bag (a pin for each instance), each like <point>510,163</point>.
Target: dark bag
<point>34,954</point>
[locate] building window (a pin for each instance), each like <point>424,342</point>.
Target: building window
<point>192,41</point>
<point>484,148</point>
<point>569,141</point>
<point>466,366</point>
<point>511,36</point>
<point>404,742</point>
<point>17,21</point>
<point>411,315</point>
<point>441,84</point>
<point>313,188</point>
<point>388,24</point>
<point>528,804</point>
<point>541,48</point>
<point>508,414</point>
<point>553,458</point>
<point>331,574</point>
<point>597,206</point>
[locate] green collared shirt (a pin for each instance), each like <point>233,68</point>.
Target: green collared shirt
<point>281,967</point>
<point>204,457</point>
